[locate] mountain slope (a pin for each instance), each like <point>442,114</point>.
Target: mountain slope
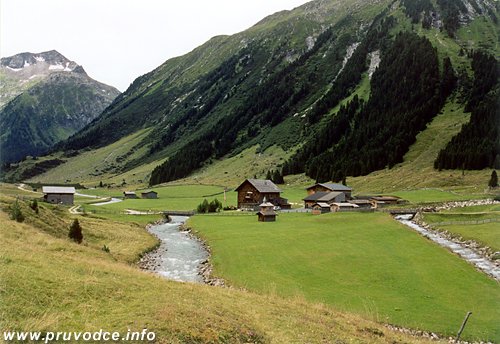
<point>281,83</point>
<point>56,98</point>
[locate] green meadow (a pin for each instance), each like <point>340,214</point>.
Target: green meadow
<point>365,263</point>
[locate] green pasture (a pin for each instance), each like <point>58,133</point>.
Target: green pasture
<point>364,263</point>
<point>435,195</point>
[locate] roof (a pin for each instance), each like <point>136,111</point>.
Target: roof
<point>323,205</point>
<point>263,186</point>
<point>332,186</point>
<point>58,190</point>
<point>359,201</point>
<point>128,192</point>
<point>149,191</point>
<point>266,204</point>
<point>322,196</point>
<point>267,213</point>
<point>346,205</point>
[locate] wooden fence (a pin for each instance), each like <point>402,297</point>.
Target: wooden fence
<point>470,222</point>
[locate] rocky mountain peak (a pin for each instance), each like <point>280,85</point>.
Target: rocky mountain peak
<point>28,65</point>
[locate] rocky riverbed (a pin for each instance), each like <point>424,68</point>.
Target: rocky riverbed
<point>180,256</point>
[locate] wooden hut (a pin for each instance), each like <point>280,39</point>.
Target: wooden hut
<point>59,194</point>
<point>336,207</point>
<point>320,208</point>
<point>149,194</point>
<point>129,195</point>
<point>266,213</point>
<point>328,197</point>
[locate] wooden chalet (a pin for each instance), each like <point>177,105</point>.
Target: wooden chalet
<point>266,213</point>
<point>327,197</point>
<point>149,194</point>
<point>253,192</point>
<point>129,195</point>
<point>59,194</point>
<point>330,187</point>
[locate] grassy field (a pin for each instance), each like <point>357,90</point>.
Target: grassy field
<point>366,263</point>
<point>49,283</point>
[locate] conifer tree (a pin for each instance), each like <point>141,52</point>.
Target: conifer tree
<point>75,232</point>
<point>493,183</point>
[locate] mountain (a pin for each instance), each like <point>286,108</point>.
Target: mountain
<point>343,88</point>
<point>45,98</point>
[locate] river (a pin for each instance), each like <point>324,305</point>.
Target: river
<point>180,254</point>
<point>465,253</point>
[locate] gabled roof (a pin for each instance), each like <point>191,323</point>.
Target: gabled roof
<point>266,204</point>
<point>264,186</point>
<point>149,191</point>
<point>128,192</point>
<point>322,196</point>
<point>58,190</point>
<point>323,205</point>
<point>332,187</point>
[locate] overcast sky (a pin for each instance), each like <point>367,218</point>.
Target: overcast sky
<point>118,40</point>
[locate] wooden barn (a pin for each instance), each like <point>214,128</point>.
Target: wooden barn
<point>266,213</point>
<point>329,187</point>
<point>129,195</point>
<point>381,201</point>
<point>149,194</point>
<point>323,197</point>
<point>253,192</point>
<point>59,194</point>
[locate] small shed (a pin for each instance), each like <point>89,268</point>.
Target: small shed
<point>149,194</point>
<point>336,207</point>
<point>362,203</point>
<point>320,208</point>
<point>129,195</point>
<point>59,194</point>
<point>330,187</point>
<point>266,213</point>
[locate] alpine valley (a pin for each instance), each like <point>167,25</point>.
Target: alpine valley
<point>332,88</point>
<point>45,98</point>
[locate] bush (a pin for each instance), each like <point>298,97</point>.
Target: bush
<point>213,207</point>
<point>75,232</point>
<point>16,213</point>
<point>106,249</point>
<point>493,183</point>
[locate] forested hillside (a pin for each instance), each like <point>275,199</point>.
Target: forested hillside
<point>343,87</point>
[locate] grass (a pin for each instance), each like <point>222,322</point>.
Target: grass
<point>487,234</point>
<point>364,263</point>
<point>170,197</point>
<point>49,283</point>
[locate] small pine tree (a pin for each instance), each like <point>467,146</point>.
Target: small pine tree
<point>34,206</point>
<point>101,184</point>
<point>75,232</point>
<point>269,176</point>
<point>16,213</point>
<point>493,183</point>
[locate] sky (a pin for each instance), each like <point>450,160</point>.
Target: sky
<point>118,40</point>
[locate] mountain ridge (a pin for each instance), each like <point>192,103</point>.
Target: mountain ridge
<point>47,98</point>
<point>277,83</point>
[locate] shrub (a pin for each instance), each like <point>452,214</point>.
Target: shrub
<point>106,249</point>
<point>212,207</point>
<point>16,213</point>
<point>75,232</point>
<point>493,183</point>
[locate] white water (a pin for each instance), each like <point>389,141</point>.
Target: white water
<point>181,254</point>
<point>469,255</point>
